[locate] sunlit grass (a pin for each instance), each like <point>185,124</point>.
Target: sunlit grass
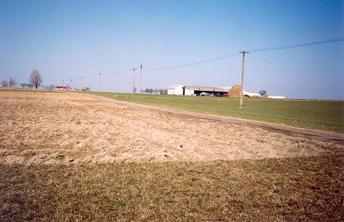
<point>290,189</point>
<point>317,114</point>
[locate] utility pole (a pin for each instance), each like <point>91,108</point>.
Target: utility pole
<point>141,78</point>
<point>242,77</point>
<point>82,82</point>
<point>99,83</point>
<point>134,69</point>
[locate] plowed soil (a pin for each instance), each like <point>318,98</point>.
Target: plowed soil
<point>71,128</point>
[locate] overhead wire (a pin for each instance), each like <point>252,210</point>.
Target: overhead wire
<point>193,63</point>
<point>119,73</point>
<point>297,45</point>
<point>250,51</point>
<point>307,44</point>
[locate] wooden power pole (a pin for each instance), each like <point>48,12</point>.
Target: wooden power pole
<point>134,69</point>
<point>141,78</point>
<point>99,83</point>
<point>242,78</point>
<point>82,82</point>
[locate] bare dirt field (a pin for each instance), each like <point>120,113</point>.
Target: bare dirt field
<point>71,128</point>
<point>80,157</point>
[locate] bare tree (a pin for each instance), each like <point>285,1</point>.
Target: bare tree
<point>4,83</point>
<point>12,83</point>
<point>35,78</point>
<point>263,93</point>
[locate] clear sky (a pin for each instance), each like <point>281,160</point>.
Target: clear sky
<point>65,40</point>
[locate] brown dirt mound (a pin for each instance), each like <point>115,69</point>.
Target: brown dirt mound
<point>70,128</point>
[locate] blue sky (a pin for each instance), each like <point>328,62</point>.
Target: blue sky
<point>65,40</point>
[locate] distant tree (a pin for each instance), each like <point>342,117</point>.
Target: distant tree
<point>148,91</point>
<point>263,93</point>
<point>162,91</point>
<point>12,82</point>
<point>85,88</point>
<point>35,78</point>
<point>4,83</point>
<point>26,85</point>
<point>49,87</point>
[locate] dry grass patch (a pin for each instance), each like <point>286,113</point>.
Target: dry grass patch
<point>55,128</point>
<point>309,188</point>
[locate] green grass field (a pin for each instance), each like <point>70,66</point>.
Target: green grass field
<point>273,189</point>
<point>324,115</point>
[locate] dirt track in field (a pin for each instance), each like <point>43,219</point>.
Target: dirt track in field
<point>71,128</point>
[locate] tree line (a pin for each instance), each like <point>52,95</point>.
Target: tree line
<point>35,81</point>
<point>156,91</point>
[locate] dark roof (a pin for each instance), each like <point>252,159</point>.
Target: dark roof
<point>206,88</point>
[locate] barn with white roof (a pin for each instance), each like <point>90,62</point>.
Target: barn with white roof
<point>187,90</point>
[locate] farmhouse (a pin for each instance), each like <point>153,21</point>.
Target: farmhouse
<point>63,88</point>
<point>187,90</point>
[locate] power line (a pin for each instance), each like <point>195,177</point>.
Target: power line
<point>307,44</point>
<point>92,76</point>
<point>119,73</point>
<point>297,45</point>
<point>194,63</point>
<point>251,51</point>
<point>277,48</point>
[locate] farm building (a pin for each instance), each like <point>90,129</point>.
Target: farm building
<point>63,88</point>
<point>277,97</point>
<point>186,90</point>
<point>251,94</point>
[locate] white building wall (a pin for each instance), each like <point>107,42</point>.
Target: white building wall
<point>277,97</point>
<point>250,94</point>
<point>189,92</point>
<point>177,90</point>
<point>171,92</point>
